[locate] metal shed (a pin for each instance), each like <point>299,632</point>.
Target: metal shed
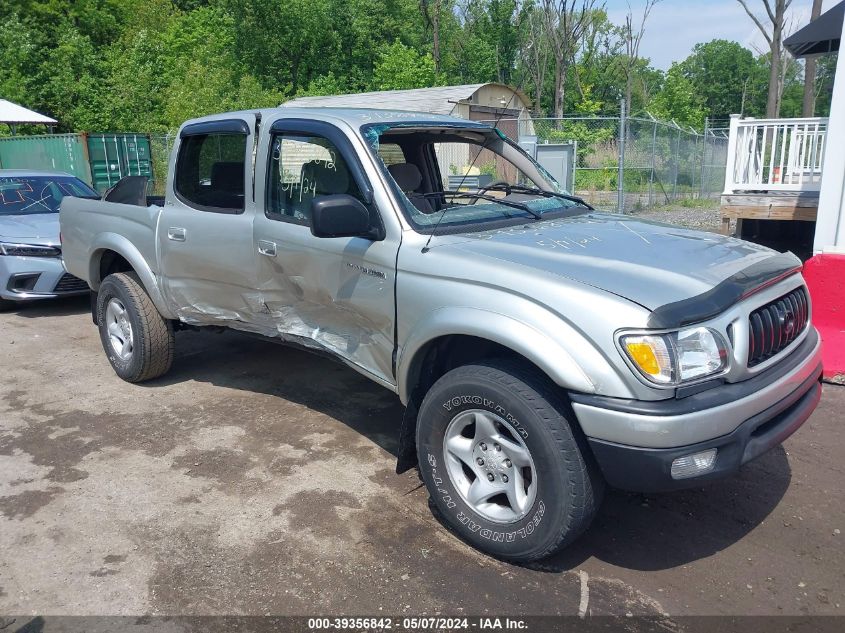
<point>477,102</point>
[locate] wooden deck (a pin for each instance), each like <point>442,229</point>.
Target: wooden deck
<point>769,205</point>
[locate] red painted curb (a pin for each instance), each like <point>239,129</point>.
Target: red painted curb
<point>825,275</point>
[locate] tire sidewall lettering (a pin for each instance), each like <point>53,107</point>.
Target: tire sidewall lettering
<point>456,403</point>
<point>445,491</point>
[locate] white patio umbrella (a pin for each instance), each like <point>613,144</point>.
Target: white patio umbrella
<point>13,115</point>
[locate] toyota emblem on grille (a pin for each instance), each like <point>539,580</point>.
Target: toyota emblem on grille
<point>787,321</point>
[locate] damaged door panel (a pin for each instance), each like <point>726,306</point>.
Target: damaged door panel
<point>335,292</point>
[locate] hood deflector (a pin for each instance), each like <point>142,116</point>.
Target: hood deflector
<point>721,297</point>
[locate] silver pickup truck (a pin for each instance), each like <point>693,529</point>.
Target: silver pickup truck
<point>542,349</point>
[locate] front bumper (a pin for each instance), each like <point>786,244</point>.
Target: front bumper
<point>26,278</point>
<point>636,442</point>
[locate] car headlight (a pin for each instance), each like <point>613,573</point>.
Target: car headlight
<point>28,250</point>
<point>677,357</point>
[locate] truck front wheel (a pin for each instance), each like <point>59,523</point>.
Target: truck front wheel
<point>505,467</point>
<point>138,341</point>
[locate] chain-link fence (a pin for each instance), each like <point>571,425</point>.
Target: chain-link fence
<point>652,163</point>
<point>661,161</point>
<point>160,146</point>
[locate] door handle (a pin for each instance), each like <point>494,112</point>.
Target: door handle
<point>267,248</point>
<point>176,233</point>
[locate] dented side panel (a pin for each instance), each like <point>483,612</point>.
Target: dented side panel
<point>336,293</point>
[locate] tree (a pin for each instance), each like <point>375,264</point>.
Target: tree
<point>535,54</point>
<point>632,36</point>
<point>489,41</point>
<point>288,43</point>
<point>808,106</point>
<point>774,38</point>
<point>727,78</point>
<point>825,74</point>
<point>679,100</point>
<point>401,67</point>
<point>431,15</point>
<point>566,21</point>
<point>18,49</point>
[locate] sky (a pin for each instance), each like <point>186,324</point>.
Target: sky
<point>675,26</point>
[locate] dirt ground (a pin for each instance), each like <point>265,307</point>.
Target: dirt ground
<point>256,479</point>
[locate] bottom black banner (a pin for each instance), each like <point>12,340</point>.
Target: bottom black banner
<point>411,624</point>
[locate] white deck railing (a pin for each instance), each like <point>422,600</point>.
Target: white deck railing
<point>775,154</point>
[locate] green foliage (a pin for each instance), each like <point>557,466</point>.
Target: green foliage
<point>728,79</point>
<point>17,50</point>
<point>401,67</point>
<point>679,100</point>
<point>146,65</point>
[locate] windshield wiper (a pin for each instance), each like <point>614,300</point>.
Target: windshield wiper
<point>481,196</point>
<point>542,192</point>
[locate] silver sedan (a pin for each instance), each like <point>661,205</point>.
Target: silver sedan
<point>30,249</point>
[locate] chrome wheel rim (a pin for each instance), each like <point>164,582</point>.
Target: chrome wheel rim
<point>119,329</point>
<point>490,466</point>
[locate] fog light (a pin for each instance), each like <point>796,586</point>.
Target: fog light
<point>695,464</point>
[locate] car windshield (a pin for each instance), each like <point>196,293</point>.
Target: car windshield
<point>27,195</point>
<point>465,178</point>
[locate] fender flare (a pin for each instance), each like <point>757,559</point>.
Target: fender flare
<point>536,346</point>
<point>127,250</point>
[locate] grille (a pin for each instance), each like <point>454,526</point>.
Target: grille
<point>775,325</point>
<point>69,283</point>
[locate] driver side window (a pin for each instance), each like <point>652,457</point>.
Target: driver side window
<point>303,167</point>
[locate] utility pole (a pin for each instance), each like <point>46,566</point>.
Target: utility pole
<point>620,178</point>
<point>703,157</point>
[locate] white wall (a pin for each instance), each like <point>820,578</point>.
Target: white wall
<point>830,225</point>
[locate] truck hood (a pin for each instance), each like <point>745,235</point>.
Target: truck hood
<point>40,228</point>
<point>646,262</point>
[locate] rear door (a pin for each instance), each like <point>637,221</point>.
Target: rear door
<point>335,293</point>
<point>205,230</point>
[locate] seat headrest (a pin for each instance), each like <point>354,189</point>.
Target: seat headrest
<point>327,178</point>
<point>406,175</point>
<point>228,177</point>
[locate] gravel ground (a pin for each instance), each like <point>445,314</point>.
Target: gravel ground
<point>705,218</point>
<point>256,479</point>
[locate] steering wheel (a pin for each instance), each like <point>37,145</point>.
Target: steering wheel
<point>486,188</point>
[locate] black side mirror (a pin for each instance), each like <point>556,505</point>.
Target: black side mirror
<point>340,215</point>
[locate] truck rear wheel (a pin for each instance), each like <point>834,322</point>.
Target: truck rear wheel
<point>505,467</point>
<point>138,341</point>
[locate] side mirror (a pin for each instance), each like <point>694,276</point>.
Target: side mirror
<point>340,215</point>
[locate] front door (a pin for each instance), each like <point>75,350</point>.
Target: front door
<point>333,293</point>
<point>205,230</point>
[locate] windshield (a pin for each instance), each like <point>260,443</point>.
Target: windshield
<point>27,195</point>
<point>465,178</point>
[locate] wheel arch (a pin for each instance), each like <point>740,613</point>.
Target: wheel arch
<point>455,337</point>
<point>459,326</point>
<point>114,253</point>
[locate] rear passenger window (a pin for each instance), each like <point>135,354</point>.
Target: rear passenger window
<point>210,171</point>
<point>301,169</point>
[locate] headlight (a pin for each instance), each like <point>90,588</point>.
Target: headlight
<point>28,250</point>
<point>677,357</point>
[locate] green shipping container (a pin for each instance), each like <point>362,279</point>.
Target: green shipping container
<point>98,159</point>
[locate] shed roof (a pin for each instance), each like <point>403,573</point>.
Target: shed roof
<point>438,100</point>
<point>13,113</point>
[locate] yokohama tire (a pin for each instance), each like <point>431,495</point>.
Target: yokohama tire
<point>558,488</point>
<point>138,341</point>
